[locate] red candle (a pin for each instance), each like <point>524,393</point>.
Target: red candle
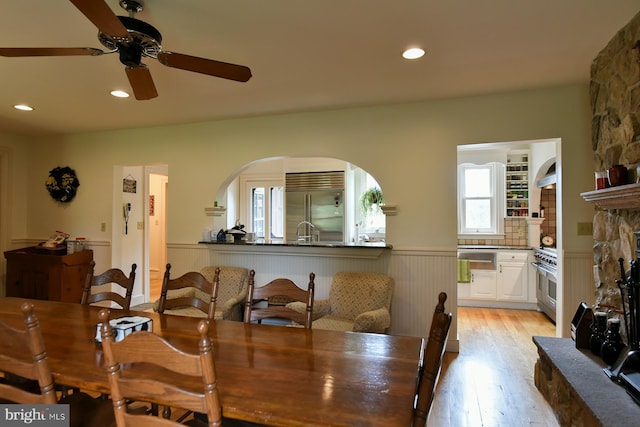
<point>602,180</point>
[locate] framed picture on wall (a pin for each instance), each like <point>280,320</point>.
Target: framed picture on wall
<point>129,185</point>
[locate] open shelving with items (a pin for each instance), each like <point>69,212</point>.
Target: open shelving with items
<point>517,184</point>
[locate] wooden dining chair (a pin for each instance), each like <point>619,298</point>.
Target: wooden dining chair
<point>146,367</point>
<point>281,289</point>
<point>27,378</point>
<point>430,370</point>
<point>95,286</point>
<point>189,295</point>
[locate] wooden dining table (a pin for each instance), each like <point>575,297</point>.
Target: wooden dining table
<point>273,375</point>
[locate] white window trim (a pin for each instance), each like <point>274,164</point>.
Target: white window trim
<point>247,182</point>
<point>498,177</point>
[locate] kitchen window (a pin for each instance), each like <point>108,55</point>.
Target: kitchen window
<point>480,195</point>
<point>264,197</point>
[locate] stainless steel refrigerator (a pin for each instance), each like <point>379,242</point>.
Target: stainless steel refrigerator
<point>318,199</point>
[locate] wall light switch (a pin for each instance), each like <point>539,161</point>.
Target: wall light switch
<point>103,226</point>
<point>140,225</point>
<point>585,229</point>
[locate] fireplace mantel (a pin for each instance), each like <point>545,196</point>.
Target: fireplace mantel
<point>621,197</point>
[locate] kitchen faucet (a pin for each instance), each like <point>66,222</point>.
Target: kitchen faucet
<point>306,237</point>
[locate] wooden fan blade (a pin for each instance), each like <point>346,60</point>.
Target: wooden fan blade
<point>48,51</point>
<point>141,82</point>
<point>210,67</point>
<point>102,17</point>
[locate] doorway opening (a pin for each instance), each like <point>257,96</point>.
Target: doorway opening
<point>156,229</point>
<point>4,224</point>
<point>138,236</point>
<point>495,283</point>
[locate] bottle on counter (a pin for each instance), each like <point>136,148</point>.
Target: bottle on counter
<point>541,211</point>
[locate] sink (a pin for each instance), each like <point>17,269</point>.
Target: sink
<point>320,243</point>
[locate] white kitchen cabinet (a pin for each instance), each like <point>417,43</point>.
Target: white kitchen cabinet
<point>513,276</point>
<point>499,279</point>
<point>483,284</point>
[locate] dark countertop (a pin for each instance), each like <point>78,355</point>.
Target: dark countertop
<point>496,247</point>
<point>376,245</point>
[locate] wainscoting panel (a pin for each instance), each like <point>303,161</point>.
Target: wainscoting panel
<point>420,275</point>
<point>578,285</point>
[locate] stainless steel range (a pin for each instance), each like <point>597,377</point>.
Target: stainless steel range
<point>546,265</point>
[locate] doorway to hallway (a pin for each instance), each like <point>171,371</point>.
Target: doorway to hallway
<point>156,229</point>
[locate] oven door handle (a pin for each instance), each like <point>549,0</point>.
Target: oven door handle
<point>544,270</point>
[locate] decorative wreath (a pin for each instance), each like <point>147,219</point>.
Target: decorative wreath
<point>62,184</point>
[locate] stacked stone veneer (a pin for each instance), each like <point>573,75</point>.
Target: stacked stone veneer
<point>615,103</point>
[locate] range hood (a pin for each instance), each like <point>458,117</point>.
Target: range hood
<point>549,178</point>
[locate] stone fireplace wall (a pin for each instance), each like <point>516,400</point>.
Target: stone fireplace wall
<point>615,104</point>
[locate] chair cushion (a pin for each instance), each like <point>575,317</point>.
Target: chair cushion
<point>353,293</point>
<point>188,311</point>
<point>233,281</point>
<point>333,323</point>
<point>183,293</point>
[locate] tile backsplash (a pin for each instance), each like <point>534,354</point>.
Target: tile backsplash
<point>548,200</point>
<point>515,234</point>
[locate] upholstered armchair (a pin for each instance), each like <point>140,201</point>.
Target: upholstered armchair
<point>358,302</point>
<point>232,291</point>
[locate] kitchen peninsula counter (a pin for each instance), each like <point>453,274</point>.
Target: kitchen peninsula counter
<point>495,247</point>
<point>357,250</point>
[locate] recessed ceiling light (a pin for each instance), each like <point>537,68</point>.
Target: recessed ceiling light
<point>23,107</point>
<point>413,53</point>
<point>119,94</point>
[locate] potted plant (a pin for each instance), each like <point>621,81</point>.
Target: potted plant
<point>371,200</point>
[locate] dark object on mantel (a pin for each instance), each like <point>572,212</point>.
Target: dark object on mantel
<point>617,175</point>
<point>612,345</point>
<point>598,329</point>
<point>581,325</point>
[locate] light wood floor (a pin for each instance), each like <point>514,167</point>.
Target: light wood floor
<point>490,381</point>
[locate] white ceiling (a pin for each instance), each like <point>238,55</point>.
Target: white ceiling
<point>305,55</point>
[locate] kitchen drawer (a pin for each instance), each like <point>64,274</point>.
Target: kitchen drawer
<point>513,256</point>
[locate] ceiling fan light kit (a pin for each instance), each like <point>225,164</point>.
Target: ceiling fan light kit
<point>134,39</point>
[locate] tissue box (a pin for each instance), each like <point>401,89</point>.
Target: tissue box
<point>123,326</point>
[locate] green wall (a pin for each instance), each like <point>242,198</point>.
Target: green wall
<point>409,148</point>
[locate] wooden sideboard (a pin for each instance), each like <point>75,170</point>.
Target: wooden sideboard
<point>47,277</point>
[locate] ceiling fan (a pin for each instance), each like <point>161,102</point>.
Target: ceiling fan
<point>133,39</point>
